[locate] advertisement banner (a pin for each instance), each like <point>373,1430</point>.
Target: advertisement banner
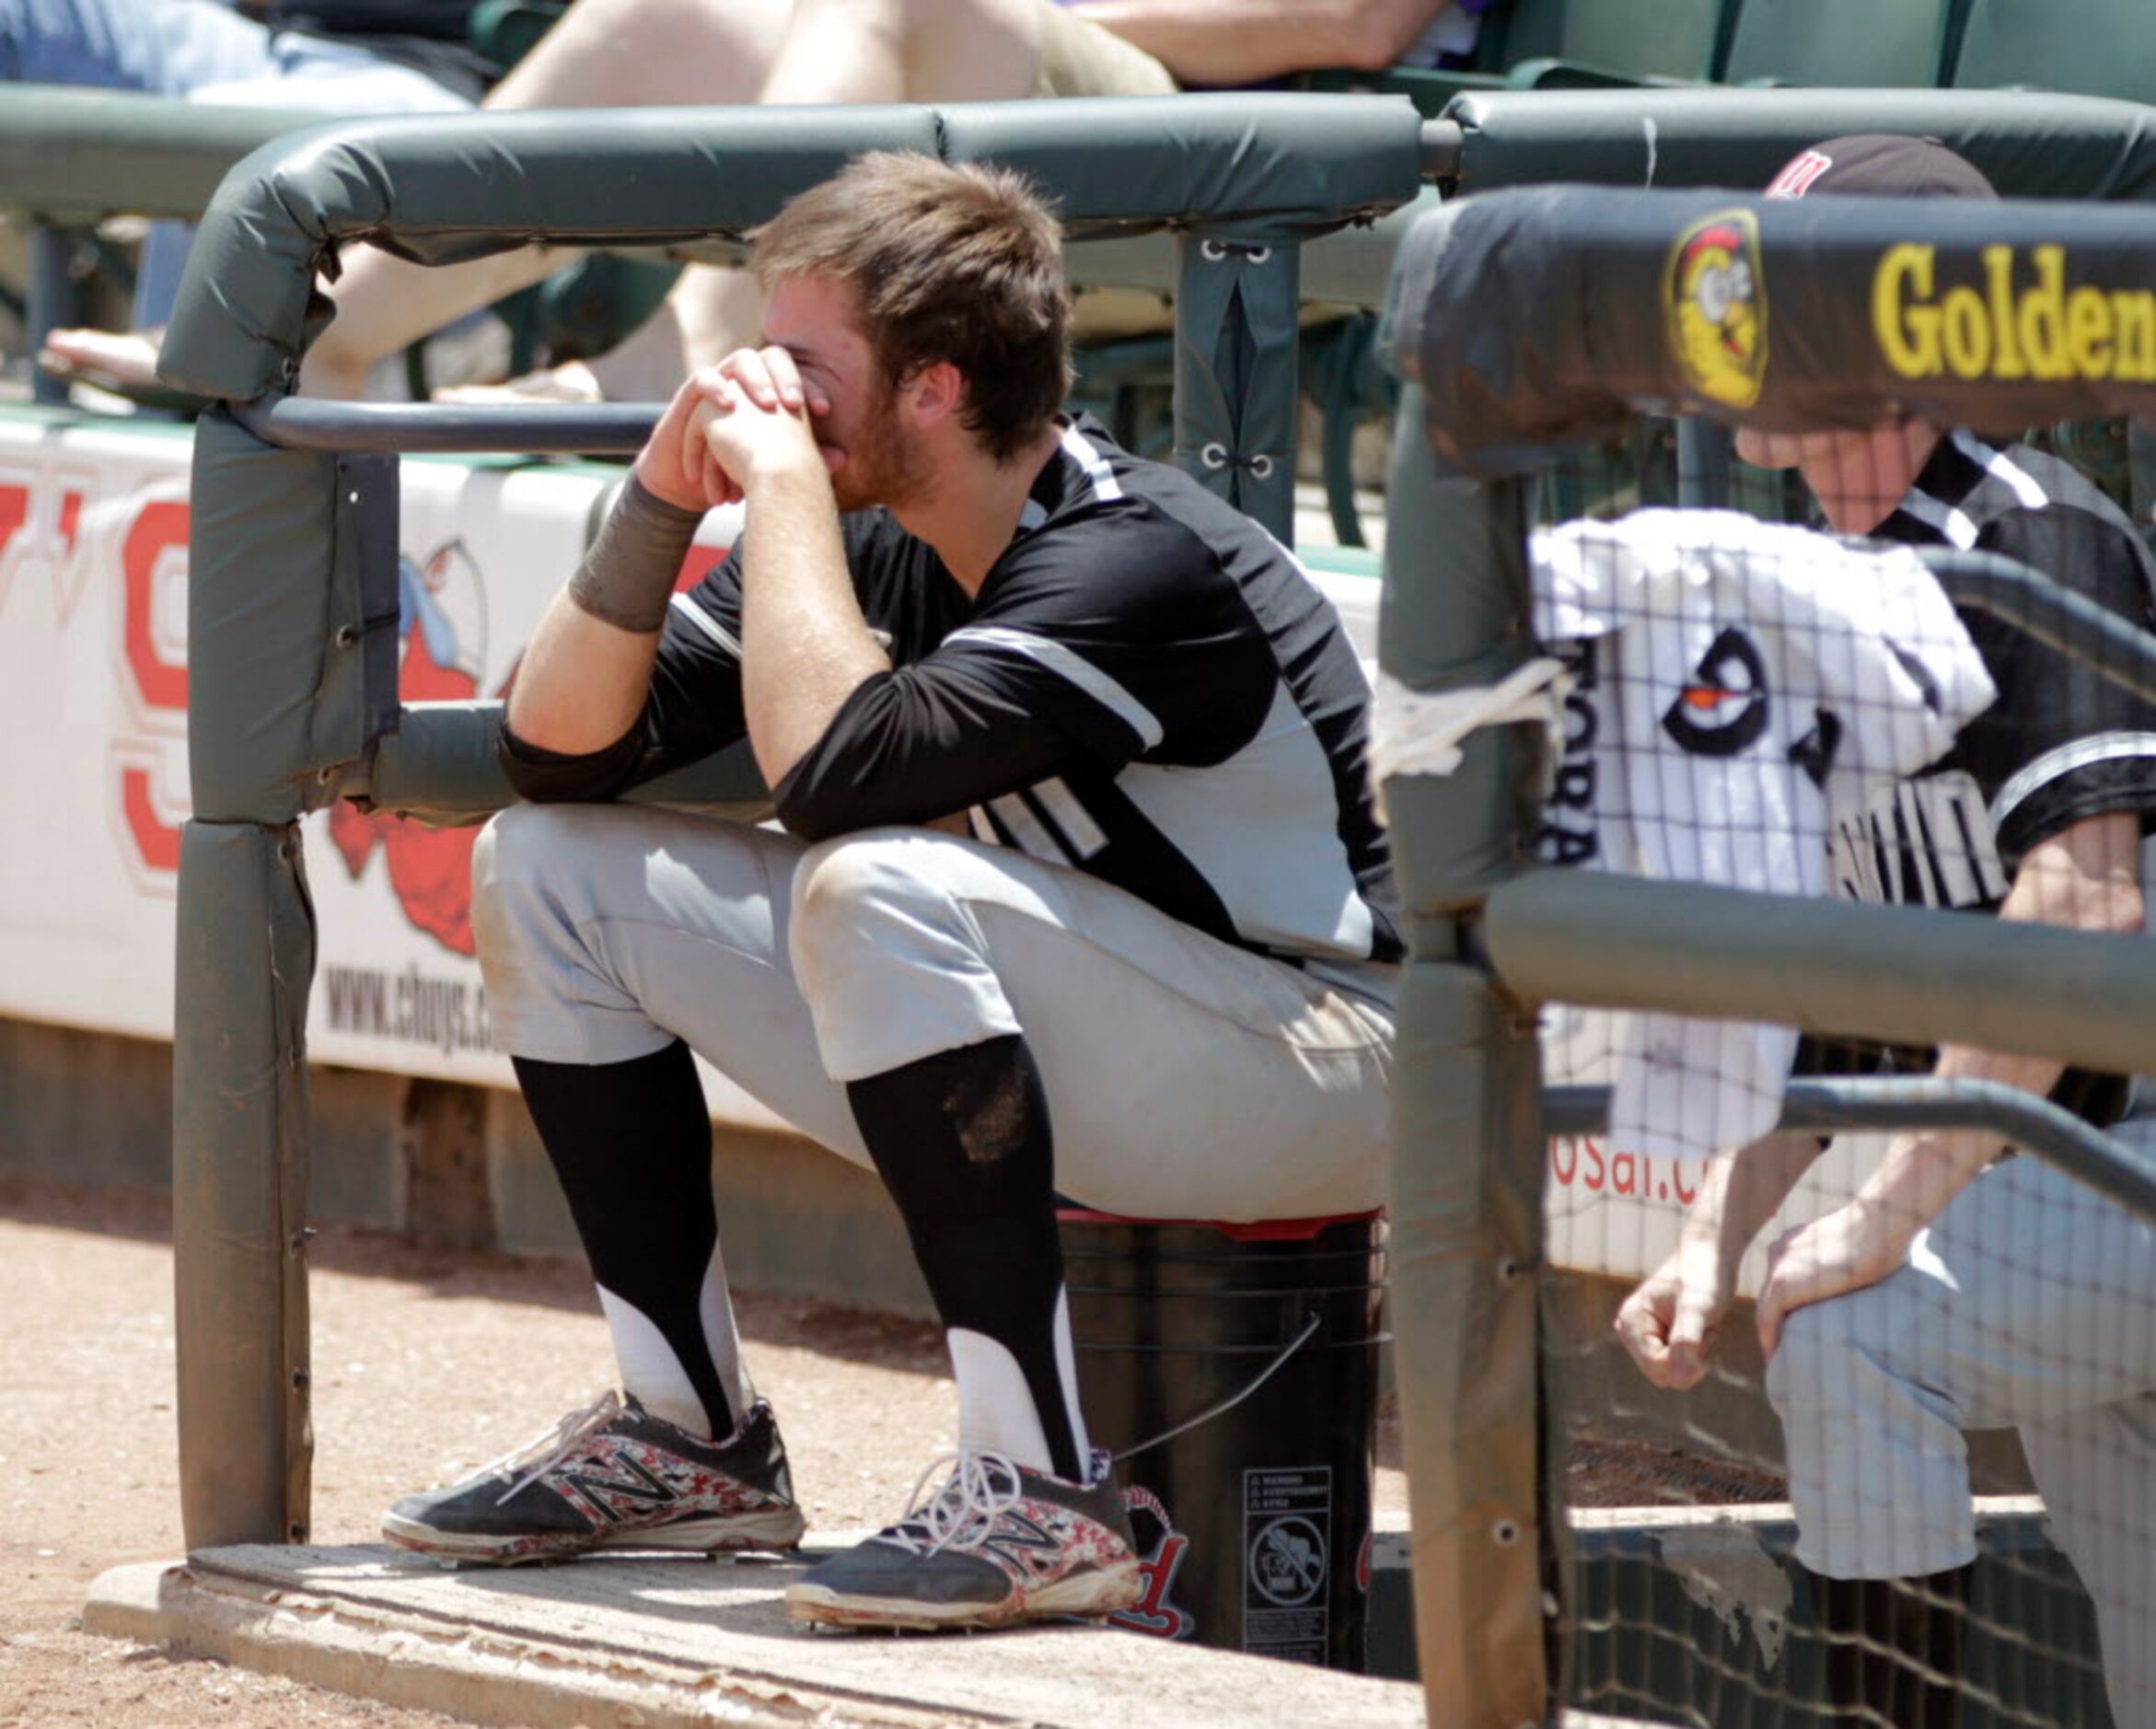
<point>93,685</point>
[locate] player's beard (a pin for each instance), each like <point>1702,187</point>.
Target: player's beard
<point>882,465</point>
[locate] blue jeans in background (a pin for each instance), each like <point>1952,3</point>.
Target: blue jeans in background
<point>203,51</point>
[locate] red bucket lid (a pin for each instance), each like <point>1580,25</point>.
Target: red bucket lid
<point>1255,1230</point>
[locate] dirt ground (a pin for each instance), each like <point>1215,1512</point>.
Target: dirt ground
<point>427,1362</point>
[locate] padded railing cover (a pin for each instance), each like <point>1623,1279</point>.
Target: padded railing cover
<point>78,154</point>
<point>1537,316</point>
<point>441,188</point>
<point>2031,144</point>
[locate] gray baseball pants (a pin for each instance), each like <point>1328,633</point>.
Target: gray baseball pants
<point>1185,1078</point>
<point>2030,1303</point>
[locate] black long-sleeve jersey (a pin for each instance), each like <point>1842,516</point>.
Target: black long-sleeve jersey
<point>1148,687</point>
<point>2061,742</point>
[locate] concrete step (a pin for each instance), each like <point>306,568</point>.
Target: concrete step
<point>666,1642</point>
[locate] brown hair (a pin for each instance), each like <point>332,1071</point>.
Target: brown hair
<point>947,261</point>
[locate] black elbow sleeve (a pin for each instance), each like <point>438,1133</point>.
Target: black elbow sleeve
<point>806,818</point>
<point>811,803</point>
<point>551,777</point>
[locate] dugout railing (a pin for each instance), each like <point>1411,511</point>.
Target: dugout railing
<point>72,159</point>
<point>72,156</point>
<point>69,158</point>
<point>1528,322</point>
<point>293,562</point>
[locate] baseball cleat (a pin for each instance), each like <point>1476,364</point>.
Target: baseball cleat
<point>611,1476</point>
<point>997,1544</point>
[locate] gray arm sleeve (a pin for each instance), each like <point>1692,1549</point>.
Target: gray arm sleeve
<point>628,572</point>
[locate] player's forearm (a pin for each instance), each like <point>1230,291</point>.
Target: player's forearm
<point>584,677</point>
<point>580,683</point>
<point>2088,879</point>
<point>1742,1191</point>
<point>1236,41</point>
<point>1923,1171</point>
<point>805,645</point>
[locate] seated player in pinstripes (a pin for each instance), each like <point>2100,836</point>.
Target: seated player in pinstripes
<point>1080,890</point>
<point>1956,1291</point>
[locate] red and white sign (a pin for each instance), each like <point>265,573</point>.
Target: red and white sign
<point>93,697</point>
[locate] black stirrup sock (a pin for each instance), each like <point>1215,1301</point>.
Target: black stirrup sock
<point>1894,1651</point>
<point>631,1143</point>
<point>962,1141</point>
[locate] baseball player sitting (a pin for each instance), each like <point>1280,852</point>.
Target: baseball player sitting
<point>1078,888</point>
<point>1959,1287</point>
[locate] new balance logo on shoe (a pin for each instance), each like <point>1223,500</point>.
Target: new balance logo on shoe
<point>1022,1544</point>
<point>998,1543</point>
<point>611,1476</point>
<point>635,1489</point>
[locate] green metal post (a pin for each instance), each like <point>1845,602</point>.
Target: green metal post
<point>1467,1150</point>
<point>50,299</point>
<point>239,1177</point>
<point>292,632</point>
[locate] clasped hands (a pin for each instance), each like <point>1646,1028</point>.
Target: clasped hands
<point>749,414</point>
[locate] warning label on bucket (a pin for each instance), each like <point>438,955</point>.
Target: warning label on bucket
<point>1287,1544</point>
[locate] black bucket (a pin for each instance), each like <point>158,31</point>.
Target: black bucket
<point>1254,1520</point>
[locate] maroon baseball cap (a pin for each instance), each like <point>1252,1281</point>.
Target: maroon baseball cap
<point>1880,164</point>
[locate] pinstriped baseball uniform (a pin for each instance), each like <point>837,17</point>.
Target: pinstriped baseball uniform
<point>2030,1301</point>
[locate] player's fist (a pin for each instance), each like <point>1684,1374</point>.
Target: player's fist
<point>1667,1325</point>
